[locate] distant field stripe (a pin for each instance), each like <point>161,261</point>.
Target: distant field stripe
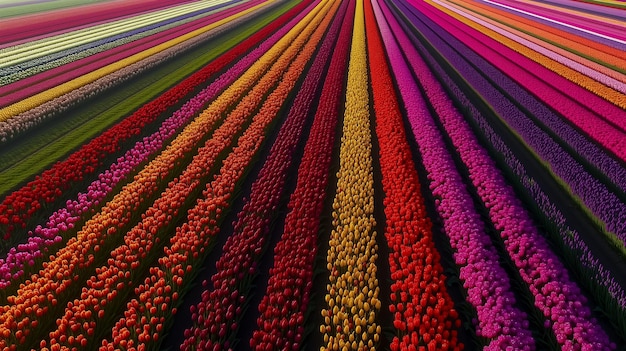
<point>21,29</point>
<point>599,35</point>
<point>50,94</point>
<point>20,53</point>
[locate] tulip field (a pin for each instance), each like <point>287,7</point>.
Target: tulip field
<point>313,175</point>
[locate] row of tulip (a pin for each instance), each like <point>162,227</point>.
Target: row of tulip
<point>19,206</point>
<point>424,313</point>
<point>583,185</point>
<point>80,252</point>
<point>215,319</point>
<point>283,306</point>
<point>596,276</point>
<point>141,243</point>
<point>556,295</point>
<point>34,49</point>
<point>350,318</point>
<point>18,30</point>
<point>12,266</point>
<point>569,153</point>
<point>171,46</point>
<point>499,321</point>
<point>72,63</point>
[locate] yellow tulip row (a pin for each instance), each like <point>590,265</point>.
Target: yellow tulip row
<point>59,90</point>
<point>350,320</point>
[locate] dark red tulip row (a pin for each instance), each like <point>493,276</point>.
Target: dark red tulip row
<point>424,314</point>
<point>18,207</point>
<point>286,299</point>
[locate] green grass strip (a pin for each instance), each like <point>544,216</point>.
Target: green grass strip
<point>47,145</point>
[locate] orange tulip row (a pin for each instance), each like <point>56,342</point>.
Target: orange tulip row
<point>424,314</point>
<point>144,318</point>
<point>352,298</point>
<point>50,286</point>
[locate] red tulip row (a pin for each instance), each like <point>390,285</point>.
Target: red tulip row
<point>424,314</point>
<point>238,264</point>
<point>289,288</point>
<point>18,207</point>
<point>189,243</point>
<point>80,252</point>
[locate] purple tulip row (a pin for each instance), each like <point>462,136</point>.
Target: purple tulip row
<point>26,69</point>
<point>243,249</point>
<point>24,121</point>
<point>487,284</point>
<point>556,295</point>
<point>593,192</point>
<point>62,221</point>
<point>571,238</point>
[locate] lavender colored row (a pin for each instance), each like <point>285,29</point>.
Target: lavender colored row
<point>26,69</point>
<point>486,281</point>
<point>593,192</point>
<point>556,295</point>
<point>13,127</point>
<point>12,267</point>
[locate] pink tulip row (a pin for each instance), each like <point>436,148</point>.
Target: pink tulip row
<point>12,267</point>
<point>244,248</point>
<point>556,295</point>
<point>52,108</point>
<point>487,284</point>
<point>282,308</point>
